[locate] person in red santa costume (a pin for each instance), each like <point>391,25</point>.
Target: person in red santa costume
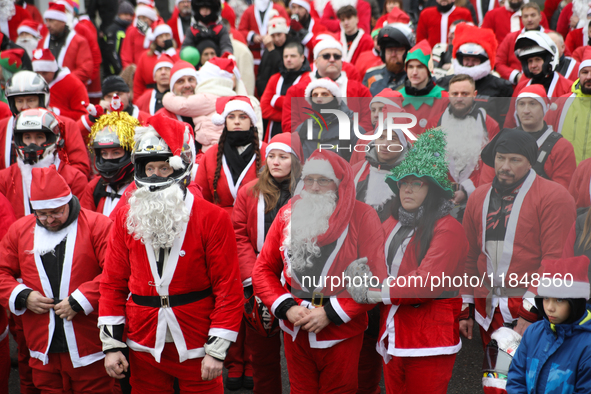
<point>136,36</point>
<point>8,217</point>
<point>161,44</point>
<point>556,156</point>
<point>26,90</point>
<point>580,184</point>
<point>419,333</point>
<point>111,140</point>
<point>330,20</point>
<point>355,40</point>
<point>58,254</point>
<point>307,19</point>
<point>171,278</point>
<point>256,207</point>
<point>572,16</point>
<point>313,239</point>
<point>66,92</point>
<point>507,19</point>
<point>254,23</point>
<point>37,137</point>
<point>70,49</point>
<point>180,20</point>
<point>11,16</point>
<point>151,101</point>
<point>435,22</point>
<point>29,34</point>
<point>527,219</point>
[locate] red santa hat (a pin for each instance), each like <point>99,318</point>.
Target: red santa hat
<point>69,6</point>
<point>163,61</point>
<point>573,274</point>
<point>11,59</point>
<point>327,43</point>
<point>56,12</point>
<point>218,67</point>
<point>225,105</point>
<point>174,133</point>
<point>181,69</point>
<point>31,27</point>
<point>287,142</point>
<point>158,28</point>
<point>146,9</point>
<point>388,97</point>
<point>302,3</point>
<point>586,62</point>
<point>44,61</point>
<point>325,83</point>
<point>48,189</point>
<point>538,93</point>
<point>278,24</point>
<point>470,34</point>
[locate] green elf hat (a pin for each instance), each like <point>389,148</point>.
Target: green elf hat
<point>422,53</point>
<point>12,59</point>
<point>426,159</point>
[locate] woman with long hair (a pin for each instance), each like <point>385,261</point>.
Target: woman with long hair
<point>256,207</point>
<point>419,334</point>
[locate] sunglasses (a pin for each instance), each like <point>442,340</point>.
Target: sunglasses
<point>336,56</point>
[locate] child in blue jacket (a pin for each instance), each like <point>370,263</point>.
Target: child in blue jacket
<point>554,356</point>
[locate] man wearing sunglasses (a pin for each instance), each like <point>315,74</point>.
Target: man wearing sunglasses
<point>58,253</point>
<point>311,242</point>
<point>328,63</point>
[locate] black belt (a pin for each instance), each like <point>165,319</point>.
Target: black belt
<point>318,299</point>
<point>171,300</point>
<point>448,294</point>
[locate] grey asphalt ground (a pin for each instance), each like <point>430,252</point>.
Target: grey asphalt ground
<point>465,380</point>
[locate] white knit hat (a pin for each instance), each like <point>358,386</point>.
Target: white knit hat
<point>328,43</point>
<point>325,83</point>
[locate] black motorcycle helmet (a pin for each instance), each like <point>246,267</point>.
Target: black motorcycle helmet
<point>214,5</point>
<point>394,36</point>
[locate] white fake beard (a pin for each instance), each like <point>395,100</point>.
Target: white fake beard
<point>261,5</point>
<point>378,192</point>
<point>157,217</point>
<point>476,72</point>
<point>308,219</point>
<point>580,8</point>
<point>465,139</point>
<point>28,43</point>
<point>27,170</point>
<point>46,240</point>
<point>7,10</point>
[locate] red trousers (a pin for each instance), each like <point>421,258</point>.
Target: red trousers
<point>237,360</point>
<point>370,367</point>
<point>328,371</point>
<point>266,362</point>
<point>60,376</point>
<point>4,363</point>
<point>419,375</point>
<point>149,376</point>
<point>25,372</point>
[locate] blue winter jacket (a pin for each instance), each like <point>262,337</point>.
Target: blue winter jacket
<point>553,359</point>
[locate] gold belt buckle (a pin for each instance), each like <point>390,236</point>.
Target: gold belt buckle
<point>317,298</point>
<point>164,303</point>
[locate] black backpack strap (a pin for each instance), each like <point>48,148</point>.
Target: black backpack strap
<point>544,152</point>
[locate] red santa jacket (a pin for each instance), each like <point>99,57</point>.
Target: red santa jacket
<point>134,44</point>
<point>86,246</point>
<point>33,11</point>
<point>147,102</point>
<point>560,164</point>
<point>542,215</point>
<point>202,257</point>
<point>178,35</point>
<point>66,95</point>
<point>13,23</point>
<point>434,26</point>
<point>105,205</point>
<point>362,43</point>
<point>272,274</point>
<point>576,39</point>
<point>356,95</point>
<point>478,7</point>
<point>75,55</point>
<point>499,21</point>
<point>8,217</point>
<point>506,63</point>
<point>272,101</point>
<point>144,73</point>
<point>226,189</point>
<point>332,23</point>
<point>395,16</point>
<point>367,60</point>
<point>12,186</point>
<point>251,24</point>
<point>87,30</point>
<point>414,323</point>
<point>580,184</point>
<point>560,86</point>
<point>563,24</point>
<point>73,152</point>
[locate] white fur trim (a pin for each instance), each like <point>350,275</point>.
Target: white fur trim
<point>278,145</point>
<point>585,63</point>
<point>329,43</point>
<point>183,72</point>
<point>58,16</point>
<point>575,290</point>
<point>44,65</point>
<point>158,66</point>
<point>160,29</point>
<point>302,3</point>
<point>536,97</point>
<point>235,105</point>
<point>27,29</point>
<point>319,167</point>
<point>142,10</point>
<point>52,203</point>
<point>383,100</point>
<point>176,162</point>
<point>83,301</point>
<point>476,72</point>
<point>323,83</point>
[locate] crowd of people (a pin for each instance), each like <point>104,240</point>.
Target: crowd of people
<point>360,182</point>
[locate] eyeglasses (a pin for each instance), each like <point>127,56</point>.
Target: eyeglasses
<point>414,185</point>
<point>322,182</point>
<point>336,56</point>
<point>53,216</point>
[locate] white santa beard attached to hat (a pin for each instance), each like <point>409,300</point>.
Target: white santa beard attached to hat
<point>464,139</point>
<point>28,43</point>
<point>309,218</point>
<point>476,72</point>
<point>378,192</point>
<point>45,241</point>
<point>27,170</point>
<point>7,10</point>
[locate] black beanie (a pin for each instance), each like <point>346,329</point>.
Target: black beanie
<point>114,83</point>
<point>510,141</point>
